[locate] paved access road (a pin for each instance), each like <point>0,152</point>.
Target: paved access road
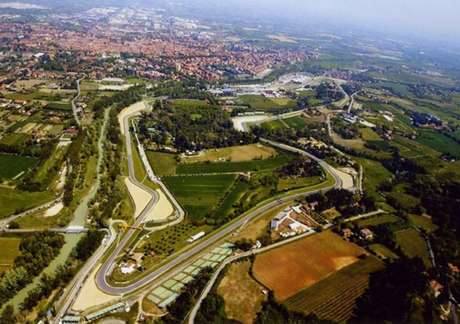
<point>101,279</point>
<point>207,241</point>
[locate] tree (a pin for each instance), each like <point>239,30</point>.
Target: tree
<point>391,292</point>
<point>7,316</point>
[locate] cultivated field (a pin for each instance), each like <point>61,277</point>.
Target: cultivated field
<point>199,194</point>
<point>8,252</point>
<point>163,164</point>
<point>424,222</point>
<point>412,244</point>
<point>333,298</point>
<point>13,165</point>
<point>378,220</point>
<point>243,295</point>
<point>382,251</point>
<point>299,265</point>
<point>223,167</point>
<point>12,201</point>
<point>262,103</point>
<point>234,154</point>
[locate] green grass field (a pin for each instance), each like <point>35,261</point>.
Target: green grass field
<point>163,164</point>
<point>333,298</point>
<point>262,103</point>
<point>374,174</point>
<point>15,139</point>
<point>290,184</point>
<point>12,201</point>
<point>13,165</point>
<point>296,122</point>
<point>237,191</point>
<point>439,142</point>
<point>383,252</point>
<point>199,195</point>
<point>274,124</point>
<point>189,103</point>
<point>8,252</point>
<point>423,222</point>
<point>378,220</point>
<point>59,105</point>
<point>412,244</point>
<point>222,167</point>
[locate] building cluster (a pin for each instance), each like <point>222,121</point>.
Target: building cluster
<point>364,234</point>
<point>129,43</point>
<point>295,220</point>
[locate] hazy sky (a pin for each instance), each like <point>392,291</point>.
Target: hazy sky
<point>432,18</point>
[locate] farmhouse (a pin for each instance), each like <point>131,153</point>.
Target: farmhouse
<point>278,219</point>
<point>292,221</point>
<point>347,233</point>
<point>367,234</point>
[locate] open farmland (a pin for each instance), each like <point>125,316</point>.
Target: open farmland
<point>234,154</point>
<point>299,265</point>
<point>413,244</point>
<point>423,221</point>
<point>242,294</point>
<point>15,139</point>
<point>163,164</point>
<point>223,167</point>
<point>439,142</point>
<point>334,297</point>
<point>262,103</point>
<point>13,165</point>
<point>296,122</point>
<point>8,252</point>
<point>378,220</point>
<point>12,201</point>
<point>199,195</point>
<point>374,174</point>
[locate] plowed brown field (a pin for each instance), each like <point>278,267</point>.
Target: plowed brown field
<point>296,266</point>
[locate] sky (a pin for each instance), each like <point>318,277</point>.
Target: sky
<point>436,19</point>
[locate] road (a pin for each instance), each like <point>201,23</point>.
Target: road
<point>200,246</point>
<point>72,289</point>
<point>74,106</point>
<point>104,271</point>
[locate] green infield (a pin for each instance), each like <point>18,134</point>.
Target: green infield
<point>224,167</point>
<point>12,165</point>
<point>199,195</point>
<point>13,201</point>
<point>163,164</point>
